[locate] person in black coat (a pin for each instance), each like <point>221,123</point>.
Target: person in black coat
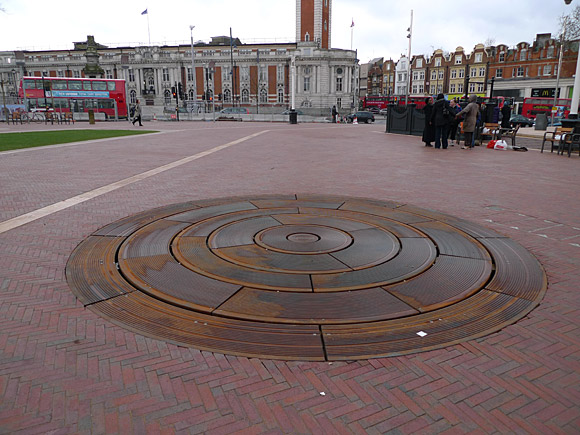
<point>429,130</point>
<point>506,113</point>
<point>440,118</point>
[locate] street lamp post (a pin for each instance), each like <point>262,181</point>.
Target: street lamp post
<point>410,36</point>
<point>576,92</point>
<point>4,99</point>
<point>193,83</point>
<point>559,68</point>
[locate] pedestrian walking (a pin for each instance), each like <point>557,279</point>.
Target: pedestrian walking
<point>334,113</point>
<point>470,119</point>
<point>429,129</point>
<point>137,114</point>
<point>441,117</point>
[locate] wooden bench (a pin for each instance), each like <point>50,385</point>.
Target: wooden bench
<point>67,117</point>
<point>556,138</point>
<point>569,141</point>
<point>509,132</point>
<point>51,117</point>
<point>489,129</point>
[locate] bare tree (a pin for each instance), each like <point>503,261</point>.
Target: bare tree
<point>490,41</point>
<point>572,25</point>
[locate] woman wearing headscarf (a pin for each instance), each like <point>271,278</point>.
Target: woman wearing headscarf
<point>469,120</point>
<point>429,130</point>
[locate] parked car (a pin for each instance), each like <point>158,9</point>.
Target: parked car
<point>361,117</point>
<point>521,120</point>
<point>287,112</point>
<point>237,110</point>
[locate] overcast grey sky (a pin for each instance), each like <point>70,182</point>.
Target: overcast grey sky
<point>380,25</point>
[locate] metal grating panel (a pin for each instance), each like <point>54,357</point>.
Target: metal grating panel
<point>91,270</point>
<point>449,241</point>
<point>202,274</point>
<point>241,232</point>
<point>370,247</point>
<point>194,254</point>
<point>517,272</point>
<point>152,239</point>
<point>314,308</point>
<point>256,257</point>
<point>124,227</point>
<point>416,255</point>
<point>450,279</point>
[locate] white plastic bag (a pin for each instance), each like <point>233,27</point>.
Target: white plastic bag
<point>502,145</point>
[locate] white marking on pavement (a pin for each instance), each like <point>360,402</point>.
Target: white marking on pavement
<point>50,209</point>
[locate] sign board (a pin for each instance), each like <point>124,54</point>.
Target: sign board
<point>543,93</point>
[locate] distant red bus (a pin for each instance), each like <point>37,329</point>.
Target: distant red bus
<point>533,106</point>
<point>375,102</point>
<point>74,95</point>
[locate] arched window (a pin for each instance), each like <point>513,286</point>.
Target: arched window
<point>167,97</point>
<point>133,96</point>
<point>227,95</point>
<point>263,96</point>
<point>245,96</point>
<point>280,95</point>
<point>307,36</point>
<point>191,94</point>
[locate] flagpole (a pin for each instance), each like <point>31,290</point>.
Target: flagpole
<point>351,33</point>
<point>148,29</point>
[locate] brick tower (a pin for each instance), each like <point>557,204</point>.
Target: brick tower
<point>313,21</point>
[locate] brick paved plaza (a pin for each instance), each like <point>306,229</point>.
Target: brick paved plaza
<point>64,369</point>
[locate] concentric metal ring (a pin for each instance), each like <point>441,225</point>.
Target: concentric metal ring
<point>305,277</point>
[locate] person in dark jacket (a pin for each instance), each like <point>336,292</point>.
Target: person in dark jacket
<point>440,118</point>
<point>506,113</point>
<point>454,123</point>
<point>429,130</point>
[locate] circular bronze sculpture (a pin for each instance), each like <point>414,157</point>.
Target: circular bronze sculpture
<point>305,277</point>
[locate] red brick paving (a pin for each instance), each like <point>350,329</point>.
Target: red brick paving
<point>65,370</point>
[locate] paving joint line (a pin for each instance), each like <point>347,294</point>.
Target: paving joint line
<point>86,196</point>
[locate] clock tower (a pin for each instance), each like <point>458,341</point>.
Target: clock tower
<point>313,21</point>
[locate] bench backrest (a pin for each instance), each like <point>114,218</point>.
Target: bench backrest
<point>562,130</point>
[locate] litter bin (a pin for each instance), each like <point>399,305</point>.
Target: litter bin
<point>293,116</point>
<point>541,121</point>
<point>91,116</point>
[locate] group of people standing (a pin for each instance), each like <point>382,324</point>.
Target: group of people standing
<point>442,119</point>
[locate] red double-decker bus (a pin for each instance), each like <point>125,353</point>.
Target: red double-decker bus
<point>533,106</point>
<point>74,95</point>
